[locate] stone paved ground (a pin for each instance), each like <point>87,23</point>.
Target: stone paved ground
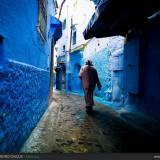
<point>66,128</point>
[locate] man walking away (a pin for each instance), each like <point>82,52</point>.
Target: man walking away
<point>89,76</point>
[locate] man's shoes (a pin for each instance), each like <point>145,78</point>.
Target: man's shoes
<point>89,109</point>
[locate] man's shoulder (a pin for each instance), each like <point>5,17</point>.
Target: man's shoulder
<point>93,68</point>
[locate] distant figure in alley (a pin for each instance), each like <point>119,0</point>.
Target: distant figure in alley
<point>89,76</point>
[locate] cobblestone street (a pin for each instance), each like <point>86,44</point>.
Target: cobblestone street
<point>66,128</point>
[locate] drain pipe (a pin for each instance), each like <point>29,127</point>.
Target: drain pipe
<point>51,67</point>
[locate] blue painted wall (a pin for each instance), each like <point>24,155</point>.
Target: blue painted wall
<point>22,41</point>
<point>24,79</point>
<point>142,72</point>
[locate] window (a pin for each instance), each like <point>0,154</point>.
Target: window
<point>64,24</point>
<point>42,18</point>
<point>64,47</point>
<point>74,37</point>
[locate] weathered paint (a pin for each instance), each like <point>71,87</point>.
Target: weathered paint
<point>24,79</point>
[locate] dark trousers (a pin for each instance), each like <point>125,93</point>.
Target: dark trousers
<point>89,97</point>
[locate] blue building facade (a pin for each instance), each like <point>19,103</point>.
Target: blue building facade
<point>24,68</point>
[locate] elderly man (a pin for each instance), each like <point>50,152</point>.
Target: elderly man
<point>89,76</point>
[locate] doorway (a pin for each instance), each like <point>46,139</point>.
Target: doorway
<point>77,83</point>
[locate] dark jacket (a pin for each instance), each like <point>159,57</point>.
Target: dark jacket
<point>89,76</point>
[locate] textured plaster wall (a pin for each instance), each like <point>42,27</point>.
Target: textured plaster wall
<point>107,57</point>
<point>24,91</point>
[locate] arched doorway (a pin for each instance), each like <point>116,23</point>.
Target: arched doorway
<point>77,85</point>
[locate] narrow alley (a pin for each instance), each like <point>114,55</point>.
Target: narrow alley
<point>79,76</point>
<point>66,128</point>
